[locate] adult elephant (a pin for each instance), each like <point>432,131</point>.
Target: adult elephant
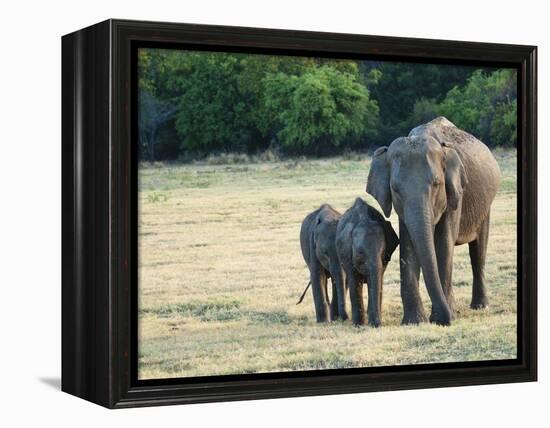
<point>441,182</point>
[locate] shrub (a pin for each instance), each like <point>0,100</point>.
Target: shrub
<point>486,106</point>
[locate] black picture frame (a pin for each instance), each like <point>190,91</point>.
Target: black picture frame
<point>99,205</point>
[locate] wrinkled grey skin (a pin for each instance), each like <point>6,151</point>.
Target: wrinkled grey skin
<point>317,239</point>
<point>441,182</point>
<point>365,243</point>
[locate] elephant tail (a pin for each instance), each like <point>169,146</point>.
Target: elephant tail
<point>304,293</point>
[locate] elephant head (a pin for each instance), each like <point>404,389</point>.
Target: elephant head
<point>422,178</point>
<point>324,236</point>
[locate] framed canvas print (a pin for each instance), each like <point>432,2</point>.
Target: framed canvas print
<point>253,213</point>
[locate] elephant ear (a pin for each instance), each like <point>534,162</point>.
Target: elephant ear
<point>455,176</point>
<point>378,182</point>
<point>391,241</point>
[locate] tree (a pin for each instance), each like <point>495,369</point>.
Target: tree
<point>221,98</point>
<point>424,110</point>
<point>255,68</point>
<point>320,109</point>
<point>157,102</point>
<point>214,110</point>
<point>401,85</point>
<point>195,102</point>
<point>486,106</point>
<point>152,114</point>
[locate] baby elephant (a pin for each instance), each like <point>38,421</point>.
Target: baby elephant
<point>365,243</point>
<point>317,239</point>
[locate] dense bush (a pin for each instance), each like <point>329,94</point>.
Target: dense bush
<point>401,85</point>
<point>214,111</point>
<point>192,104</point>
<point>486,106</point>
<point>320,110</point>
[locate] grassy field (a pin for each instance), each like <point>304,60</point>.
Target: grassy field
<point>220,271</point>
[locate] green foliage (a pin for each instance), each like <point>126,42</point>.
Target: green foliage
<point>424,110</point>
<point>486,106</point>
<point>157,103</point>
<point>372,77</point>
<point>219,98</point>
<point>194,104</point>
<point>215,112</point>
<point>402,85</point>
<point>320,109</point>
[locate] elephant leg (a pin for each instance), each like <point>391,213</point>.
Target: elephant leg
<point>338,304</point>
<point>319,291</point>
<point>355,285</point>
<point>478,252</point>
<point>413,310</point>
<point>445,238</point>
<point>333,301</point>
<point>374,283</point>
<point>380,293</point>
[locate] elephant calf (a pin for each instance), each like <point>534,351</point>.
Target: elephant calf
<point>317,239</point>
<point>365,243</point>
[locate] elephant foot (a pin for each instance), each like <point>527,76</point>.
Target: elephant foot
<point>358,321</point>
<point>375,322</point>
<point>479,304</point>
<point>322,313</point>
<point>322,318</point>
<point>339,316</point>
<point>414,317</point>
<point>344,316</point>
<point>441,317</point>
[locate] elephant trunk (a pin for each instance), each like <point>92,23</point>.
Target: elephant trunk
<point>420,226</point>
<point>375,296</point>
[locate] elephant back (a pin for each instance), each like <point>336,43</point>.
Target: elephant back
<point>481,170</point>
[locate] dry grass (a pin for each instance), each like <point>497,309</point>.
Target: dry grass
<point>221,271</point>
